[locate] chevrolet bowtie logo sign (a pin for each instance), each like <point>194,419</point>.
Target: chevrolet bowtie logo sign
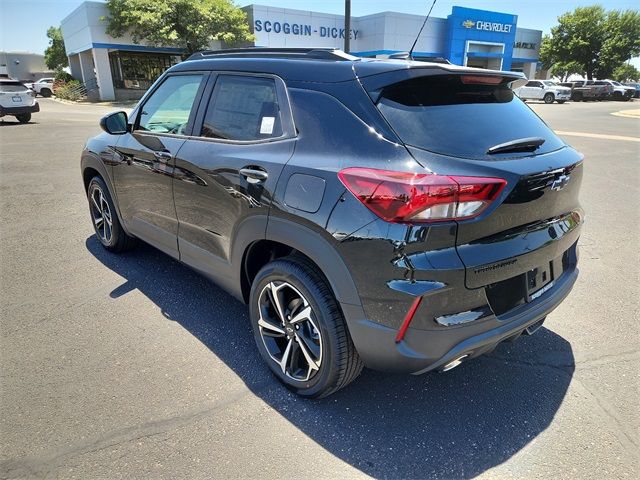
<point>468,24</point>
<point>560,182</point>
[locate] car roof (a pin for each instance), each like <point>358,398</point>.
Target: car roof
<point>311,65</point>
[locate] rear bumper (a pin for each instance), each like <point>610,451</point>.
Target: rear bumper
<point>19,110</point>
<point>424,350</point>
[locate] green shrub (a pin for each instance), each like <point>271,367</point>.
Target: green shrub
<point>61,75</point>
<point>68,90</point>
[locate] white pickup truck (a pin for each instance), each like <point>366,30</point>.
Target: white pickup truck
<point>545,90</point>
<point>44,86</point>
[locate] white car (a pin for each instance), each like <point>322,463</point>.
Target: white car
<point>17,100</point>
<point>545,90</point>
<point>44,86</point>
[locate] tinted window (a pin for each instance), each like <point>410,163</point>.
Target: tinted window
<point>12,87</point>
<point>167,109</point>
<point>243,108</point>
<point>443,115</point>
<point>533,84</point>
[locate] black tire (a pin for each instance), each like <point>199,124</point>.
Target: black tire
<point>339,363</point>
<point>577,97</point>
<point>548,98</point>
<point>24,117</point>
<point>45,92</point>
<point>117,240</point>
<point>560,101</point>
<point>617,96</point>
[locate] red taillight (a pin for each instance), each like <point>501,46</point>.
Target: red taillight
<point>419,197</point>
<point>481,79</point>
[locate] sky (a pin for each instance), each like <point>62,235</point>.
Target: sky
<point>24,23</point>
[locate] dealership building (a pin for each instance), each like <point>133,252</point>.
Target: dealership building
<point>117,68</point>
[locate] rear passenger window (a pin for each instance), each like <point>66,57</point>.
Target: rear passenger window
<point>243,108</point>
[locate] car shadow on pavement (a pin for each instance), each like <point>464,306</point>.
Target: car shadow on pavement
<point>9,123</point>
<point>453,425</point>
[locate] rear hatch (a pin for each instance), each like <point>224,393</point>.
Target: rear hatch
<point>15,94</point>
<point>457,122</point>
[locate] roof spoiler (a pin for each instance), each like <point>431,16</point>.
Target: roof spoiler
<point>409,56</point>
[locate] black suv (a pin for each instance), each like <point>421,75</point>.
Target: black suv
<point>404,216</point>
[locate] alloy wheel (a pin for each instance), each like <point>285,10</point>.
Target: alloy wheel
<point>289,331</point>
<point>101,215</point>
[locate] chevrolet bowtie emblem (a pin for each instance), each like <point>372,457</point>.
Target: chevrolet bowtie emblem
<point>560,182</point>
<point>468,24</point>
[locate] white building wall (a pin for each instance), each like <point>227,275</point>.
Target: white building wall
<point>103,74</point>
<point>526,35</point>
<point>83,27</point>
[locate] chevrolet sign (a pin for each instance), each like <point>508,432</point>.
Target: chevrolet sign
<point>488,26</point>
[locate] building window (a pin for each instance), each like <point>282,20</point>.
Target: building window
<point>137,71</point>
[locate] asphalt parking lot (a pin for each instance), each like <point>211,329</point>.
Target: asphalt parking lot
<point>133,366</point>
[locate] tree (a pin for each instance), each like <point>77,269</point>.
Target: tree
<point>188,24</point>
<point>622,41</point>
<point>597,40</point>
<point>564,70</point>
<point>626,73</point>
<point>55,56</point>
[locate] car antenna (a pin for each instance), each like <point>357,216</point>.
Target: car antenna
<point>421,28</point>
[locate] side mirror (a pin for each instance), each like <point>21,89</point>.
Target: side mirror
<point>115,123</point>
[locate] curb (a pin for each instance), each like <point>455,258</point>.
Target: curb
<point>98,104</point>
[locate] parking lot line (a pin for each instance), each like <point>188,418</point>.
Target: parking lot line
<point>599,135</point>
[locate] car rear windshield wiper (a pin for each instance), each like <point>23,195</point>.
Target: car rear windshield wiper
<point>520,145</point>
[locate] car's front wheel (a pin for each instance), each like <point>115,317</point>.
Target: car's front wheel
<point>105,219</point>
<point>45,92</point>
<point>548,98</point>
<point>300,330</point>
<point>24,117</point>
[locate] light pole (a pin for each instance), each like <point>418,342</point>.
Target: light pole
<point>347,25</point>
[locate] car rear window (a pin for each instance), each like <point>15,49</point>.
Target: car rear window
<point>12,87</point>
<point>442,114</point>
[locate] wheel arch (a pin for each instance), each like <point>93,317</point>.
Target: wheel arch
<point>92,166</point>
<point>284,237</point>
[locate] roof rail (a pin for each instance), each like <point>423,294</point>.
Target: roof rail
<point>310,53</point>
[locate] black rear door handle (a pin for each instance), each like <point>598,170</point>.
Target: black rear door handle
<point>254,175</point>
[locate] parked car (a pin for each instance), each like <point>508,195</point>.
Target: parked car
<point>355,204</point>
<point>545,90</point>
<point>44,86</point>
<point>17,100</point>
<point>618,91</point>
<point>584,90</point>
<point>636,87</point>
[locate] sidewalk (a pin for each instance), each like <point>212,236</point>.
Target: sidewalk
<point>122,104</point>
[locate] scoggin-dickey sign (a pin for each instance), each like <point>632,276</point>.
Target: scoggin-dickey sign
<point>307,30</point>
